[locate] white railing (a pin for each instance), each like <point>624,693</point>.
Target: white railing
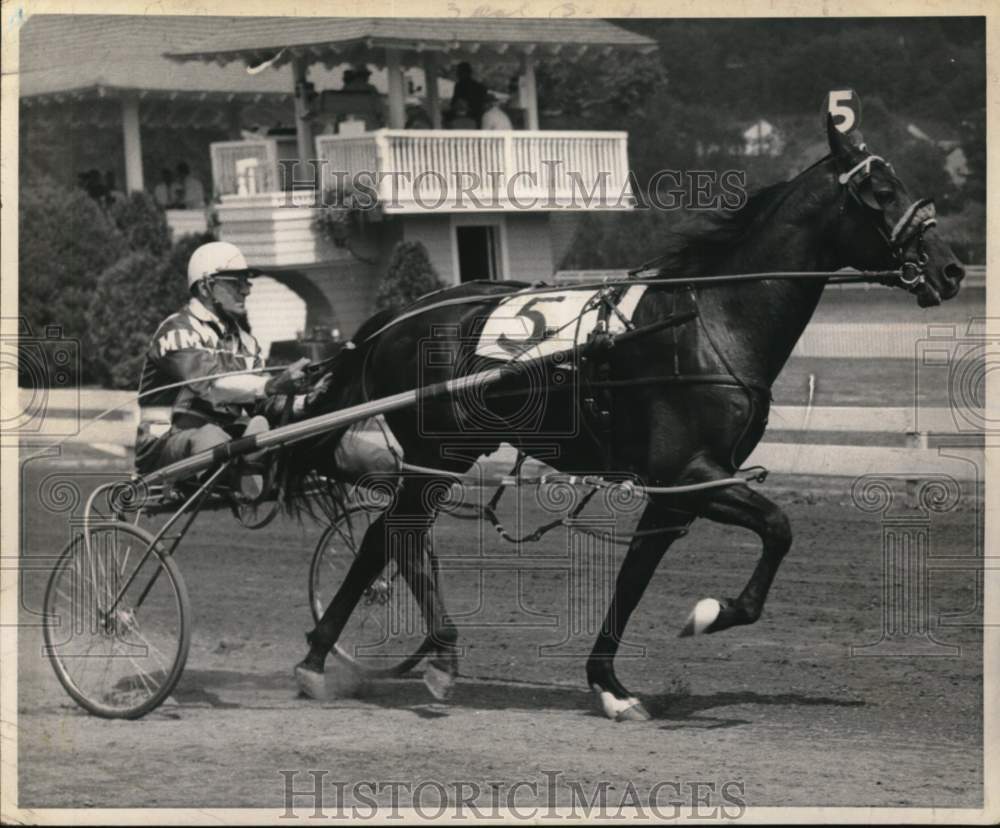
<point>427,170</point>
<point>342,158</point>
<point>187,222</point>
<point>245,167</point>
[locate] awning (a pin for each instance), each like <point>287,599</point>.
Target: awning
<point>331,41</point>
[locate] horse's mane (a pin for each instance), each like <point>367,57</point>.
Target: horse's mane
<point>698,244</point>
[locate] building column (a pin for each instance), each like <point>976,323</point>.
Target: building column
<point>132,143</point>
<point>303,124</point>
<point>529,91</point>
<point>397,103</point>
<point>431,82</point>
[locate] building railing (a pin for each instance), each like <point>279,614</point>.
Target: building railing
<point>245,167</point>
<point>420,170</point>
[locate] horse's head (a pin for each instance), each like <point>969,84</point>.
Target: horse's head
<point>882,227</point>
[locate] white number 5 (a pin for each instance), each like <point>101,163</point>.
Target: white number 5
<point>841,105</point>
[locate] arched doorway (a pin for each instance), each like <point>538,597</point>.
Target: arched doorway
<point>276,312</point>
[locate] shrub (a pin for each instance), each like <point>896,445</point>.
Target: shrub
<point>65,242</point>
<point>409,276</point>
<point>142,223</point>
<point>131,299</point>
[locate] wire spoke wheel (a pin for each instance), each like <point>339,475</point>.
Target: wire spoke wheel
<point>386,635</point>
<point>117,622</point>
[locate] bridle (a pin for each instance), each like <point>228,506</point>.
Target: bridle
<point>905,239</point>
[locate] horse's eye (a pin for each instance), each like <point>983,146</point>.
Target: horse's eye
<point>884,195</point>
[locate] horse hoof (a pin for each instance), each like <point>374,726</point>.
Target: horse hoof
<point>704,614</point>
<point>634,713</point>
<point>344,681</point>
<point>621,710</point>
<point>311,683</point>
<point>438,681</point>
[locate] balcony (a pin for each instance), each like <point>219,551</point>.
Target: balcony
<point>419,171</point>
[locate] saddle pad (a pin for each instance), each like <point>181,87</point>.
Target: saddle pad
<point>528,326</point>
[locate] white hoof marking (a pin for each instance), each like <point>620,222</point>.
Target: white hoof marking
<point>311,683</point>
<point>438,681</point>
<point>613,707</point>
<point>702,617</point>
<point>344,680</point>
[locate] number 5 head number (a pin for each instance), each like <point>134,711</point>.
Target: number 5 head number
<point>844,106</point>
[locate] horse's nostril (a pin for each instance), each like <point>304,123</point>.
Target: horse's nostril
<point>955,272</point>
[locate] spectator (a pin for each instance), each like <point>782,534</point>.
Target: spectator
<point>112,195</point>
<point>91,182</point>
<point>471,91</point>
<point>356,80</point>
<point>494,117</point>
<point>190,192</point>
<point>163,193</point>
<point>417,118</point>
<point>460,118</point>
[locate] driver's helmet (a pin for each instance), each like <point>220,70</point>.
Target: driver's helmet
<point>216,258</point>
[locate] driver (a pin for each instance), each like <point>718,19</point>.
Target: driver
<point>208,337</point>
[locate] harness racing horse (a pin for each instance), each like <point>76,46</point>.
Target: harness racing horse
<point>689,401</point>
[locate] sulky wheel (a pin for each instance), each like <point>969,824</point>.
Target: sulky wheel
<point>117,621</point>
<point>386,635</point>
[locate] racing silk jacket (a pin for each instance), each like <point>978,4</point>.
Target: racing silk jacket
<point>193,343</point>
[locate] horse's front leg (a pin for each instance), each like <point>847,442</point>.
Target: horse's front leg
<point>658,527</point>
<point>741,506</point>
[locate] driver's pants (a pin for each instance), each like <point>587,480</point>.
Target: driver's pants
<point>179,443</point>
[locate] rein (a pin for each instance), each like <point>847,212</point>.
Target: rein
<point>890,278</point>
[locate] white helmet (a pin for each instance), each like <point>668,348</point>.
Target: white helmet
<point>215,257</point>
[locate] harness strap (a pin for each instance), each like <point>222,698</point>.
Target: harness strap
<point>923,212</point>
<point>865,164</point>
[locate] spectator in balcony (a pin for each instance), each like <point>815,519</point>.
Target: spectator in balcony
<point>417,118</point>
<point>190,192</point>
<point>356,80</point>
<point>163,193</point>
<point>471,91</point>
<point>460,118</point>
<point>494,117</point>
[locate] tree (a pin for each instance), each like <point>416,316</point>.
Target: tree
<point>65,241</point>
<point>409,276</point>
<point>142,223</point>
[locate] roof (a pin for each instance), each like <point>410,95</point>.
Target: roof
<point>329,40</point>
<point>103,55</point>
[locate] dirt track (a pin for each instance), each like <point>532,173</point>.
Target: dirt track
<point>780,707</point>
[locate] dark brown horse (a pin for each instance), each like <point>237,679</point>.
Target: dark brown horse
<point>688,403</point>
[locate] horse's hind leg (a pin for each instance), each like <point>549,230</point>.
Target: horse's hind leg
<point>665,524</point>
<point>367,564</point>
<point>400,533</point>
<point>742,506</point>
<point>418,570</point>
